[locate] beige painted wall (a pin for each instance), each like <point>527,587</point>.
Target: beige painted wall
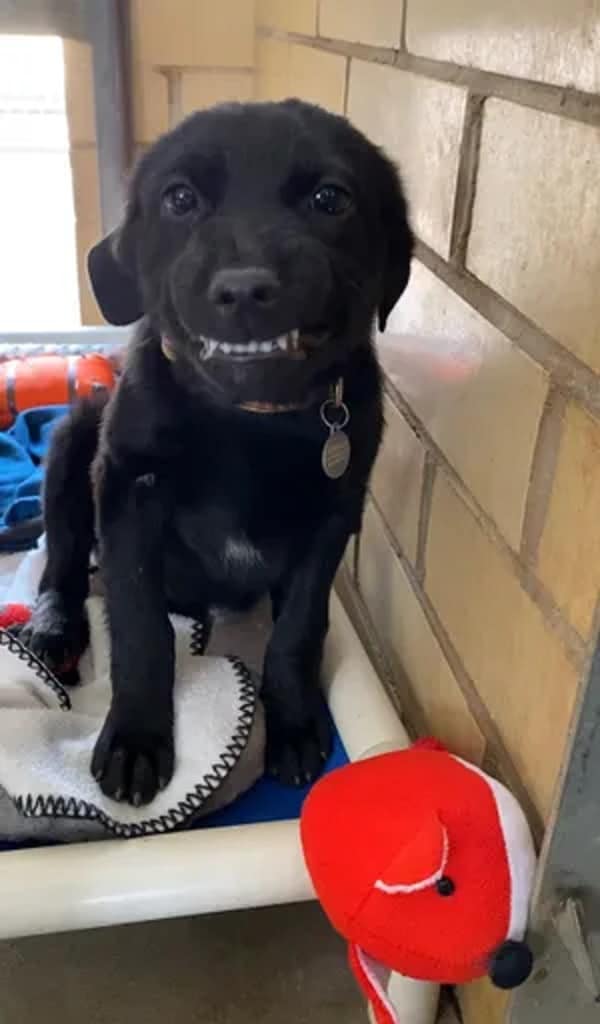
<point>188,54</point>
<point>79,94</point>
<point>476,577</point>
<point>185,55</point>
<point>477,574</point>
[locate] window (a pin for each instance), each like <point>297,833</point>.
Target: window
<point>38,257</point>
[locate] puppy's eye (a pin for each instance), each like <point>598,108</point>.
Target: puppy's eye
<point>331,199</point>
<point>179,200</point>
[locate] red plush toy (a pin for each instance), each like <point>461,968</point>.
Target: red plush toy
<point>14,615</point>
<point>425,865</point>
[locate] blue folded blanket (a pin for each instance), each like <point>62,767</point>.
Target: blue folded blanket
<point>22,450</point>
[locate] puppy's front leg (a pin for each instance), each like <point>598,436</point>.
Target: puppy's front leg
<point>134,754</point>
<point>298,725</point>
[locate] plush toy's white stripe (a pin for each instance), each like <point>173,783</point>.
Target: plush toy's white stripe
<point>377,976</point>
<point>520,852</point>
<point>425,883</point>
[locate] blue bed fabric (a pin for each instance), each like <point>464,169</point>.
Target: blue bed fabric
<point>22,450</point>
<point>269,800</point>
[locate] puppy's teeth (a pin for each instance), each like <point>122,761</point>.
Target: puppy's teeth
<point>282,342</point>
<point>293,337</point>
<point>226,348</point>
<point>265,346</point>
<point>253,346</point>
<point>211,348</point>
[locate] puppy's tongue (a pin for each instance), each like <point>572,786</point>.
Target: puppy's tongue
<point>373,979</point>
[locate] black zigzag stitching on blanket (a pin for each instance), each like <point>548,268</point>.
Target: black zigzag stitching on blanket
<point>199,638</point>
<point>62,807</point>
<point>14,646</point>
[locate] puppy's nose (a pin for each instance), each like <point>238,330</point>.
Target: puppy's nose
<point>247,289</point>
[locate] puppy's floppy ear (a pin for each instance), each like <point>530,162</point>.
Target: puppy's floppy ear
<point>113,274</point>
<point>397,238</point>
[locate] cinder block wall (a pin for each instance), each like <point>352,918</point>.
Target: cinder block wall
<point>476,578</point>
<point>188,54</point>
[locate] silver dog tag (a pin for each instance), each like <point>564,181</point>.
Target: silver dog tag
<point>336,452</point>
<point>335,457</point>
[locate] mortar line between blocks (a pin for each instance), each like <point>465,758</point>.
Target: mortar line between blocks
<point>541,479</point>
<point>174,78</point>
<point>347,85</point>
<point>474,701</point>
<point>466,178</point>
<point>570,375</point>
<point>573,104</point>
<point>574,645</point>
<point>403,21</point>
<point>429,470</point>
<point>356,558</point>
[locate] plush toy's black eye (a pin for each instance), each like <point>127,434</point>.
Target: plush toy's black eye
<point>445,886</point>
<point>331,199</point>
<point>179,200</point>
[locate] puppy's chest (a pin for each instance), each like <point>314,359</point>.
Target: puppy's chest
<point>243,518</point>
<point>218,538</point>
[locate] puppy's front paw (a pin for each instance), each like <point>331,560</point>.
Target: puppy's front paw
<point>132,764</point>
<point>57,637</point>
<point>296,754</point>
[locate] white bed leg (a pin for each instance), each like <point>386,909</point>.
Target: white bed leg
<point>416,1002</point>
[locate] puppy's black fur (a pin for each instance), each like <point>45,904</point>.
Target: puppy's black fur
<point>245,223</point>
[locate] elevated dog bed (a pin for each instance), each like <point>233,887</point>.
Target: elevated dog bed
<point>247,855</point>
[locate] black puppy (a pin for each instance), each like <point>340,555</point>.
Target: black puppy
<point>259,243</point>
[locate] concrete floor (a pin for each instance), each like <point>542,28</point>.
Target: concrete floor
<point>278,966</point>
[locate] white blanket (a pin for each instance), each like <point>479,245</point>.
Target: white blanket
<point>47,735</point>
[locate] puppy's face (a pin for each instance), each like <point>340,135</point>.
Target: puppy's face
<point>261,240</point>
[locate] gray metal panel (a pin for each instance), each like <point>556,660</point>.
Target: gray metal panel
<point>43,17</point>
<point>105,30</point>
<point>78,336</point>
<point>556,993</point>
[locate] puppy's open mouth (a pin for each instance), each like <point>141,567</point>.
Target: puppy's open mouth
<point>294,344</point>
<point>283,345</point>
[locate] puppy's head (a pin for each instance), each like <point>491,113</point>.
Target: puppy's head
<point>260,240</point>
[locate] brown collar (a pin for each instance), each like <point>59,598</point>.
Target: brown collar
<point>271,407</point>
<point>257,407</point>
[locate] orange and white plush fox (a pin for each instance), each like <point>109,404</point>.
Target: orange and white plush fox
<point>425,865</point>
